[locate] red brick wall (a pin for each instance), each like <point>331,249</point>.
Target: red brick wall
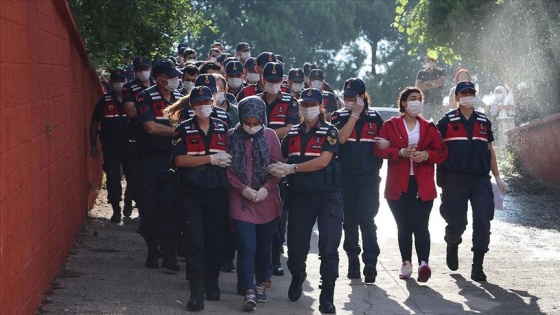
<point>538,145</point>
<point>47,92</point>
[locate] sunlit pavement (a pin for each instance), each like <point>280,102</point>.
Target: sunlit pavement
<point>104,274</point>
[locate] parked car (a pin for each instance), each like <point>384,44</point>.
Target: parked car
<point>386,112</point>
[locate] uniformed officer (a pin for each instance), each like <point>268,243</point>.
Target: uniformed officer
<point>209,67</point>
<point>187,54</point>
<point>282,112</point>
<point>234,76</point>
<point>307,67</point>
<point>253,89</point>
<point>213,54</point>
<point>251,75</point>
<point>315,196</point>
<point>221,62</point>
<point>464,177</point>
<point>225,100</point>
<point>142,69</point>
<point>358,126</point>
<point>109,113</point>
<point>243,51</point>
<point>158,219</point>
<point>330,101</point>
<point>200,145</point>
<point>190,72</point>
<point>296,81</point>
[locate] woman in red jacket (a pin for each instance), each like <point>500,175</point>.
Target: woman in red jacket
<point>415,145</point>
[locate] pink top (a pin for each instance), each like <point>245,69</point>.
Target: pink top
<point>268,209</point>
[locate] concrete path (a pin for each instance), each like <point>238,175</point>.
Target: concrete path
<point>104,274</point>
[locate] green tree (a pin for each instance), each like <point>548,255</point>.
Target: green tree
<point>112,29</point>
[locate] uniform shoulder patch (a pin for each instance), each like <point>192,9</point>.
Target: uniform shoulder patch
<point>332,136</point>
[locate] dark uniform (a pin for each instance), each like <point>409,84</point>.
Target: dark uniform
<point>130,92</point>
<point>109,111</point>
<point>360,186</point>
<point>218,113</point>
<point>155,188</point>
<point>314,197</point>
<point>465,177</point>
<point>204,203</point>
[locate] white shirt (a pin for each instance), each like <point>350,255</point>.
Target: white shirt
<point>413,138</point>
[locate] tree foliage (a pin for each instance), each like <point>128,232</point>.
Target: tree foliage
<point>112,29</point>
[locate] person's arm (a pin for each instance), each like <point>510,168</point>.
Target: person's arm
<point>93,128</point>
<point>315,164</point>
<point>130,110</point>
<point>282,131</point>
<point>155,129</point>
<point>192,160</point>
<point>437,150</point>
<point>275,156</point>
<point>391,152</point>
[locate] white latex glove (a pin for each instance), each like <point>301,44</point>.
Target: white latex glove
<point>261,194</point>
<point>221,159</point>
<point>501,184</point>
<point>281,169</point>
<point>381,143</point>
<point>249,193</point>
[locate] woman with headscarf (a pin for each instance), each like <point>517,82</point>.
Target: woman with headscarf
<point>253,196</point>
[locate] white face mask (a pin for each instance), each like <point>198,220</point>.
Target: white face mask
<point>430,65</point>
<point>220,98</point>
<point>172,84</point>
<point>252,130</point>
<point>467,101</point>
<point>296,87</point>
<point>309,113</point>
<point>213,59</point>
<point>498,97</point>
<point>188,85</point>
<point>245,54</point>
<point>143,75</point>
<point>272,88</point>
<point>414,108</point>
<point>253,77</point>
<point>234,82</point>
<point>317,84</point>
<point>203,111</point>
<point>118,86</point>
<point>349,105</point>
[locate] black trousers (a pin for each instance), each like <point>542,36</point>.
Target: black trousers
<point>204,216</point>
<point>412,216</point>
<point>361,204</point>
<point>306,208</point>
<point>457,190</point>
<point>115,156</point>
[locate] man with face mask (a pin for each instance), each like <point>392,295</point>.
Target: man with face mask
<point>243,51</point>
<point>258,87</point>
<point>109,113</point>
<point>190,72</point>
<point>130,91</point>
<point>234,76</point>
<point>358,128</point>
<point>330,101</point>
<point>431,81</point>
<point>213,54</point>
<point>465,177</point>
<point>251,75</point>
<point>186,55</point>
<point>158,224</point>
<point>296,81</point>
<point>225,100</point>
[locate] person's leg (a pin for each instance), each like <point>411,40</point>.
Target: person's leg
<point>350,191</point>
<point>112,169</point>
<point>399,208</point>
<point>421,221</point>
<point>246,239</point>
<point>482,202</point>
<point>368,206</point>
<point>169,228</point>
<point>126,162</point>
<point>214,221</point>
<point>264,237</point>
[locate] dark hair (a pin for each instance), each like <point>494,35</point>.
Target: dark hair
<point>405,94</point>
<point>221,78</point>
<point>214,50</point>
<point>207,65</point>
<point>190,69</point>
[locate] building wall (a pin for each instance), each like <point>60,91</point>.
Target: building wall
<point>47,92</point>
<point>537,145</point>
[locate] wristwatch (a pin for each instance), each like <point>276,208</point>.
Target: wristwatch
<point>295,168</point>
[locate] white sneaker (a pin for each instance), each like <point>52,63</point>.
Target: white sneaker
<point>406,270</point>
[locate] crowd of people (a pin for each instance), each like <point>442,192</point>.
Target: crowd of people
<point>238,154</point>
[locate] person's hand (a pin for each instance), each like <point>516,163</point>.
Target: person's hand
<point>381,143</point>
<point>501,184</point>
<point>249,193</point>
<point>281,169</point>
<point>221,159</point>
<point>407,152</point>
<point>94,152</point>
<point>420,156</point>
<point>358,107</point>
<point>261,194</point>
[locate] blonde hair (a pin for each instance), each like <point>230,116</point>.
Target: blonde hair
<point>173,112</point>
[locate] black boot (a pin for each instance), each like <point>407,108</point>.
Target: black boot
<point>277,269</point>
<point>170,257</point>
<point>196,301</point>
<point>116,217</point>
<point>370,273</point>
<point>354,267</point>
<point>477,273</point>
<point>127,210</point>
<point>295,289</point>
<point>211,285</point>
<point>452,257</point>
<point>326,298</point>
<point>152,261</point>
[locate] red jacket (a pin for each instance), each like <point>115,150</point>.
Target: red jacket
<point>398,171</point>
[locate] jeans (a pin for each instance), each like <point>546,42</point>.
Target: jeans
<point>254,242</point>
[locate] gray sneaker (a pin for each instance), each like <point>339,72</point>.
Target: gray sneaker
<point>260,289</point>
<point>250,302</point>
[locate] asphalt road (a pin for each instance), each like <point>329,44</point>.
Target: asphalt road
<point>104,273</point>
